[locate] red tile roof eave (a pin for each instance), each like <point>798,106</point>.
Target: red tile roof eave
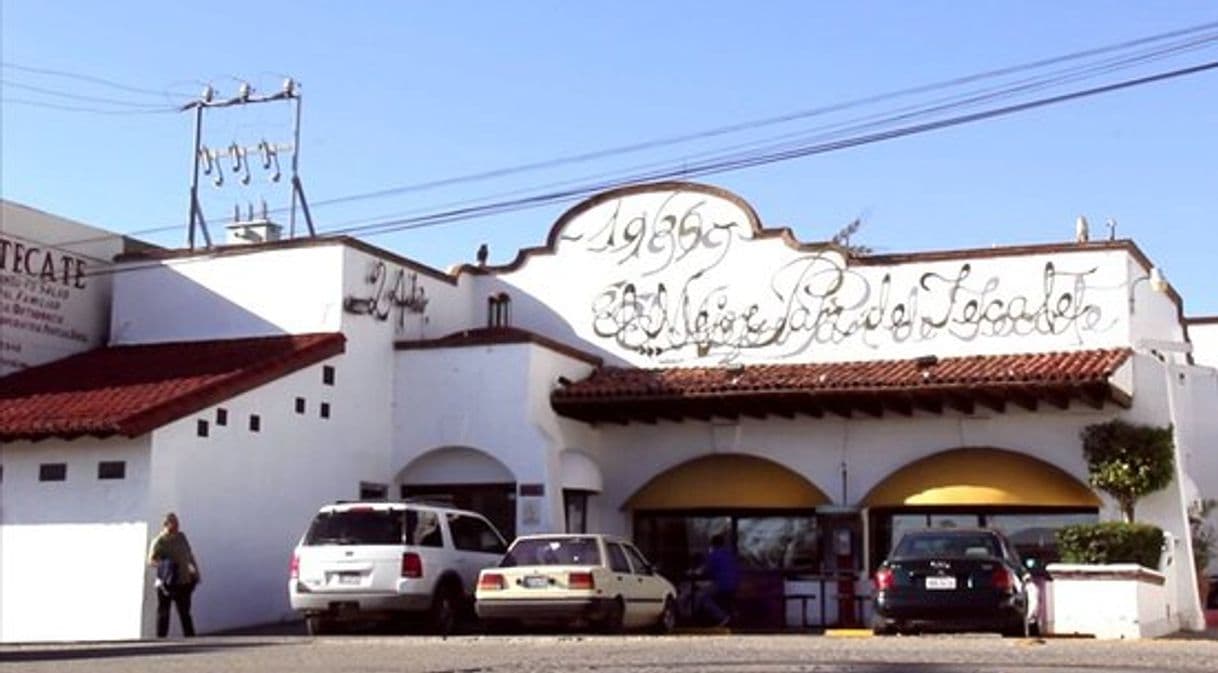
<point>1108,361</point>
<point>221,388</point>
<point>944,388</point>
<point>229,386</point>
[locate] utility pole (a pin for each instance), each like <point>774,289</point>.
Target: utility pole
<point>211,161</point>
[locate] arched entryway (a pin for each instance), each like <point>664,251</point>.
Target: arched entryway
<point>766,510</point>
<point>463,477</point>
<point>1023,496</point>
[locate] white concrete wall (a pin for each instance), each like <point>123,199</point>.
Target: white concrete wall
<point>493,399</point>
<point>245,497</point>
<point>72,553</point>
<point>1092,601</point>
<point>47,316</point>
<point>1204,335</point>
<point>379,282</point>
<point>260,293</point>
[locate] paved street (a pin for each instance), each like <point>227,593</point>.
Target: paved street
<point>719,654</point>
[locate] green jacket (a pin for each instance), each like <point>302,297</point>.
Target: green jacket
<point>175,547</point>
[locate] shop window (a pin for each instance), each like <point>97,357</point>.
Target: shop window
<point>221,416</point>
<point>201,428</point>
<point>300,405</point>
<point>112,469</point>
<point>327,375</point>
<point>53,472</point>
<point>324,410</point>
<point>575,504</point>
<point>255,423</point>
<point>778,542</point>
<point>499,310</point>
<point>1031,530</point>
<point>373,491</point>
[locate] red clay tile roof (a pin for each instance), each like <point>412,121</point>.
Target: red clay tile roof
<point>131,390</point>
<point>616,393</point>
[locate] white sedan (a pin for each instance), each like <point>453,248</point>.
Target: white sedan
<point>587,580</point>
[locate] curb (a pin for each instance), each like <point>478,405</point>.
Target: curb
<point>849,633</point>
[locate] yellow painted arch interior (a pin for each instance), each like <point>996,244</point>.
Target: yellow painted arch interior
<point>980,477</point>
<point>727,481</point>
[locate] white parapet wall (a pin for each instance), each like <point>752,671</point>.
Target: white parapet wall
<point>1123,600</point>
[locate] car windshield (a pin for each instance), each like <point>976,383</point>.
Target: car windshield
<point>362,526</point>
<point>567,551</point>
<point>935,544</point>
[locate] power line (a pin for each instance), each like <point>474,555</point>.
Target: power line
<point>83,78</point>
<point>73,96</point>
<point>762,122</point>
<point>79,108</point>
<point>723,166</point>
<point>1198,37</point>
<point>823,134</point>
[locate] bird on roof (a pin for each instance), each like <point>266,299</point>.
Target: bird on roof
<point>483,253</point>
<point>1081,234</point>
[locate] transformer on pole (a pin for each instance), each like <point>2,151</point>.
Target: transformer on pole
<point>211,161</point>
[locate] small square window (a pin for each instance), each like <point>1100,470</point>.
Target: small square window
<point>112,469</point>
<point>202,428</point>
<point>53,472</point>
<point>327,375</point>
<point>255,423</point>
<point>221,416</point>
<point>300,405</point>
<point>325,409</point>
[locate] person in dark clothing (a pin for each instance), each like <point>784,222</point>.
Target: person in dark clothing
<point>177,574</point>
<point>722,569</point>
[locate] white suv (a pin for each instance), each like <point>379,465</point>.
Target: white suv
<point>389,560</point>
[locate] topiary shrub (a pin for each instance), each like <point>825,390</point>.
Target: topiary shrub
<point>1128,461</point>
<point>1111,542</point>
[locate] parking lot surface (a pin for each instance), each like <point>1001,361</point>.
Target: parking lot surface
<point>618,654</point>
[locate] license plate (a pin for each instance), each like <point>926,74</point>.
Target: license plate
<point>536,582</point>
<point>348,578</point>
<point>940,583</point>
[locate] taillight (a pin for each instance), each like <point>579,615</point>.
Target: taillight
<point>412,565</point>
<point>491,582</point>
<point>580,581</point>
<point>1002,579</point>
<point>884,579</point>
<point>294,567</point>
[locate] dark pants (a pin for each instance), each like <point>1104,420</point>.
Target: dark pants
<point>179,594</point>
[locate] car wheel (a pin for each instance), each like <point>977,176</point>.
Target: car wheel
<point>668,617</point>
<point>317,625</point>
<point>615,620</point>
<point>445,610</point>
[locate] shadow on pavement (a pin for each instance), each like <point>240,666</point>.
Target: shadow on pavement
<point>119,651</point>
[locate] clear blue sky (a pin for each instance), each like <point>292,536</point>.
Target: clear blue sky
<point>400,93</point>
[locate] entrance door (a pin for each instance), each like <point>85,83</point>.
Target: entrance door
<point>841,561</point>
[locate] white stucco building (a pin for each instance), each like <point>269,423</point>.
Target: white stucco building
<point>664,367</point>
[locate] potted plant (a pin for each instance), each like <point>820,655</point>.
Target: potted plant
<point>1109,584</point>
